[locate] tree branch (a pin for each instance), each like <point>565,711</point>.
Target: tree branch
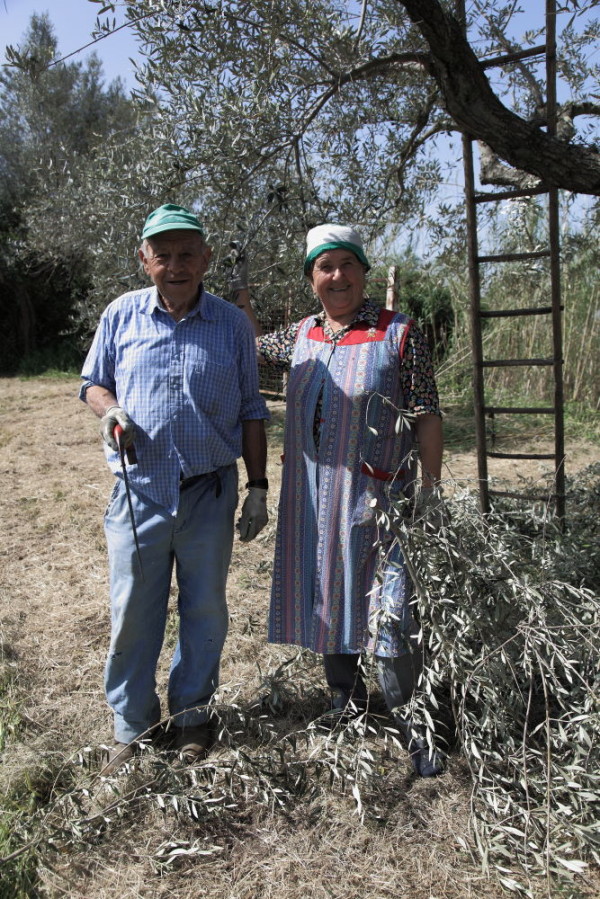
<point>511,48</point>
<point>477,110</point>
<point>419,137</point>
<point>493,171</point>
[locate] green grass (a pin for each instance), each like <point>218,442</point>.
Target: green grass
<point>582,422</point>
<point>276,425</point>
<point>18,875</point>
<point>61,361</point>
<point>53,374</point>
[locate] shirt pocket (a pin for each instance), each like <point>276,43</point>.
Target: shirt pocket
<point>215,387</point>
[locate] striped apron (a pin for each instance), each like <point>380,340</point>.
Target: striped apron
<point>339,583</point>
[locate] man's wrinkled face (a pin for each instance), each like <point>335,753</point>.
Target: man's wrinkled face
<point>176,261</point>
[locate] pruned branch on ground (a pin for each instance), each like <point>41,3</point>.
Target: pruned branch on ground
<point>511,621</point>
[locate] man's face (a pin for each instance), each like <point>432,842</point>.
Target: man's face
<point>176,261</point>
<point>338,280</point>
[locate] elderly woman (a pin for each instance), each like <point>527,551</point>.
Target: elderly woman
<point>340,586</point>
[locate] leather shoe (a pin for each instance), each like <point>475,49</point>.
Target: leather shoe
<point>427,761</point>
<point>192,743</point>
<point>118,755</point>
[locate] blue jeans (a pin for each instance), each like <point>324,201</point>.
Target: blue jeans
<point>198,542</point>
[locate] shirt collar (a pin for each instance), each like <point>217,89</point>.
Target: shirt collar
<point>205,307</point>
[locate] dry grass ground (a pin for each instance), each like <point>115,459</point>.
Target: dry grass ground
<point>152,833</point>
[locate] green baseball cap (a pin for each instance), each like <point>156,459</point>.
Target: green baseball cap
<point>170,218</point>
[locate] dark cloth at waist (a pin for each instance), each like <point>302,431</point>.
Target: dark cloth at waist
<point>215,475</point>
<point>195,479</point>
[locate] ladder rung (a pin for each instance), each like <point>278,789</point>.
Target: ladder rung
<point>521,455</point>
<point>507,363</point>
<point>507,58</point>
<point>506,313</point>
<point>490,196</point>
<point>514,410</point>
<point>514,257</point>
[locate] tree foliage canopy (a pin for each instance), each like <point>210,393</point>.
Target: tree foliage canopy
<point>274,117</point>
<point>270,118</point>
<point>336,96</point>
<point>53,119</point>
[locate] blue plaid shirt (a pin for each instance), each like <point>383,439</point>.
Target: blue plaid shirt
<point>187,386</point>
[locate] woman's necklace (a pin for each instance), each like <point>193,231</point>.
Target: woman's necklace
<point>335,326</point>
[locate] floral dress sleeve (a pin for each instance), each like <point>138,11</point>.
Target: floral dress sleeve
<point>276,349</point>
<point>420,389</point>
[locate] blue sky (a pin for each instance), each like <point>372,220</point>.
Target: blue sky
<point>73,22</point>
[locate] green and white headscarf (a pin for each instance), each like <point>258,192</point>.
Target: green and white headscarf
<point>333,237</point>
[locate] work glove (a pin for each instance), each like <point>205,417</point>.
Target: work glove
<point>430,512</point>
<point>254,514</point>
<point>117,416</point>
<point>238,279</point>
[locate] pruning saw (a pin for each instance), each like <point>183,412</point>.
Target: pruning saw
<point>129,454</point>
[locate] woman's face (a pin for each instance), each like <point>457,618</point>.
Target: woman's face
<point>338,280</point>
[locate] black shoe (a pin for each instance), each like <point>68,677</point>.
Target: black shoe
<point>426,760</point>
<point>342,712</point>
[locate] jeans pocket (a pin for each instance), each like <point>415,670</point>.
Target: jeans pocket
<point>112,497</point>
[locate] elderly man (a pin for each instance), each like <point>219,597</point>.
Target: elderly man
<point>361,399</point>
<point>174,367</point>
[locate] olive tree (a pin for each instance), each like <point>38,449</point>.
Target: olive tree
<point>52,121</point>
<point>273,117</point>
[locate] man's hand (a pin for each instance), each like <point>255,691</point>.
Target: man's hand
<point>117,416</point>
<point>430,511</point>
<point>254,514</point>
<point>238,279</point>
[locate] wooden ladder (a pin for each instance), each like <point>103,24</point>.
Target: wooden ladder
<point>552,309</point>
